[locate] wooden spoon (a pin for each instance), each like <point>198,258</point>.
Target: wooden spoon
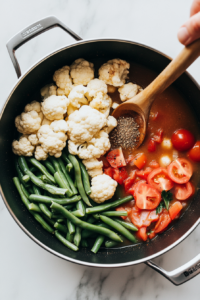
<point>140,105</point>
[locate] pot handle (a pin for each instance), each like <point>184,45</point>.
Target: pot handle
<point>32,31</point>
<point>181,274</point>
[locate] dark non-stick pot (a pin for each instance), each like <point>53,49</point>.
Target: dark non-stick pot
<point>28,86</point>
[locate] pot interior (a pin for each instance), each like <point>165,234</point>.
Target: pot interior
<point>28,89</point>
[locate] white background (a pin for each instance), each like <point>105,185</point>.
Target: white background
<point>26,270</point>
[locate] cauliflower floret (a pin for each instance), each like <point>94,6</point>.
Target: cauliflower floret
<point>103,188</point>
<point>84,123</point>
<point>102,103</point>
<point>28,122</point>
<point>92,163</point>
<point>111,89</point>
<point>70,110</point>
<point>54,107</point>
<point>23,147</point>
<point>59,126</point>
<point>33,106</point>
<point>115,105</point>
<point>60,92</point>
<point>33,139</point>
<point>46,121</point>
<point>96,147</point>
<point>63,80</point>
<point>111,124</point>
<point>128,91</point>
<point>48,90</point>
<point>95,172</point>
<point>40,154</point>
<point>114,72</point>
<point>96,86</point>
<point>82,71</point>
<point>52,142</point>
<point>76,96</point>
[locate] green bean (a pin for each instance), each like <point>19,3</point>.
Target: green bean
<point>80,206</point>
<point>33,169</point>
<point>71,227</point>
<point>20,173</point>
<point>52,189</point>
<point>69,206</point>
<point>26,178</point>
<point>56,216</point>
<point>62,166</point>
<point>60,181</point>
<point>69,237</point>
<point>114,213</point>
<point>60,227</point>
<point>26,203</point>
<point>85,177</point>
<point>84,243</point>
<point>104,207</point>
<point>111,244</point>
<point>34,207</point>
<point>127,225</point>
<point>45,179</point>
<point>77,236</point>
<point>119,228</point>
<point>42,206</point>
<point>48,220</point>
<point>48,200</point>
<point>65,242</point>
<point>104,231</point>
<point>26,193</point>
<point>60,220</point>
<point>69,165</point>
<point>49,166</point>
<point>87,233</point>
<point>77,170</point>
<point>42,168</point>
<point>30,190</point>
<point>97,244</point>
<point>69,192</point>
<point>78,213</point>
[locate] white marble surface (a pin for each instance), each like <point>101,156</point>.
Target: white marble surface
<point>26,270</point>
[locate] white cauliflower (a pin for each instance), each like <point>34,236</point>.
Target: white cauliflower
<point>63,80</point>
<point>93,166</point>
<point>51,139</point>
<point>96,86</point>
<point>33,139</point>
<point>114,72</point>
<point>96,147</point>
<point>111,89</point>
<point>77,96</point>
<point>128,91</point>
<point>46,121</point>
<point>54,107</point>
<point>115,105</point>
<point>29,121</point>
<point>102,103</point>
<point>95,172</point>
<point>84,123</point>
<point>48,90</point>
<point>82,71</point>
<point>111,124</point>
<point>59,126</point>
<point>70,110</point>
<point>40,154</point>
<point>103,188</point>
<point>23,147</point>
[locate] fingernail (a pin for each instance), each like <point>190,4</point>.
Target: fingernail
<point>183,35</point>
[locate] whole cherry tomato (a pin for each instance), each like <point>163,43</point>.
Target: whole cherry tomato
<point>194,153</point>
<point>183,140</point>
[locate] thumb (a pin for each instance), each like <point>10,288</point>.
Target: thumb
<point>190,31</point>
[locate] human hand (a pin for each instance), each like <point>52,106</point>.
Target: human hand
<point>190,30</point>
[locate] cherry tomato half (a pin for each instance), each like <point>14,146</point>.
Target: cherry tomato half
<point>159,179</point>
<point>184,191</point>
<point>183,140</point>
<point>194,153</point>
<point>146,196</point>
<point>180,170</point>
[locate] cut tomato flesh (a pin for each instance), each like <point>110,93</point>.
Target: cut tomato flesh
<point>158,137</point>
<point>128,182</point>
<point>109,172</point>
<point>142,234</point>
<point>184,191</point>
<point>163,222</point>
<point>140,160</point>
<point>151,147</point>
<point>154,164</point>
<point>146,196</point>
<point>159,179</point>
<point>180,170</point>
<point>175,209</point>
<point>152,235</point>
<point>116,158</point>
<point>120,175</point>
<point>132,189</point>
<point>143,173</point>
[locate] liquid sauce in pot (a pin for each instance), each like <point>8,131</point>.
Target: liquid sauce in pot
<point>173,113</point>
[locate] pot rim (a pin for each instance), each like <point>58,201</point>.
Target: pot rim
<point>84,263</point>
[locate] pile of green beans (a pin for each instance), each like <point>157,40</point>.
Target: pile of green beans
<point>56,193</point>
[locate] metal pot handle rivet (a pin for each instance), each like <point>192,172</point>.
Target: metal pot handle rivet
<point>32,31</point>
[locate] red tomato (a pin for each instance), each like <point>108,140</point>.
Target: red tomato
<point>142,218</point>
<point>158,137</point>
<point>152,235</point>
<point>128,182</point>
<point>151,147</point>
<point>183,140</point>
<point>175,209</point>
<point>142,234</point>
<point>163,222</point>
<point>154,164</point>
<point>140,160</point>
<point>105,162</point>
<point>146,196</point>
<point>128,209</point>
<point>153,116</point>
<point>159,179</point>
<point>180,170</point>
<point>132,189</point>
<point>120,175</point>
<point>116,158</point>
<point>184,191</point>
<point>194,153</point>
<point>129,159</point>
<point>109,172</point>
<point>143,173</point>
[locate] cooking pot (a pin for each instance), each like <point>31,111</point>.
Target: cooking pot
<point>28,86</point>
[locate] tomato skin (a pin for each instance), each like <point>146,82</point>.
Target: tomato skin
<point>158,137</point>
<point>142,234</point>
<point>154,164</point>
<point>140,160</point>
<point>159,179</point>
<point>109,171</point>
<point>151,147</point>
<point>194,153</point>
<point>128,182</point>
<point>163,222</point>
<point>143,173</point>
<point>182,140</point>
<point>120,175</point>
<point>152,235</point>
<point>180,170</point>
<point>146,196</point>
<point>116,158</point>
<point>184,191</point>
<point>175,209</point>
<point>133,188</point>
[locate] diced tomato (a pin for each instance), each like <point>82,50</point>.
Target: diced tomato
<point>194,153</point>
<point>152,235</point>
<point>180,170</point>
<point>158,137</point>
<point>140,160</point>
<point>132,189</point>
<point>163,222</point>
<point>109,172</point>
<point>154,116</point>
<point>184,191</point>
<point>120,208</point>
<point>142,233</point>
<point>175,209</point>
<point>154,164</point>
<point>146,196</point>
<point>105,162</point>
<point>151,147</point>
<point>159,179</point>
<point>142,218</point>
<point>128,182</point>
<point>129,159</point>
<point>183,140</point>
<point>120,175</point>
<point>143,173</point>
<point>116,158</point>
